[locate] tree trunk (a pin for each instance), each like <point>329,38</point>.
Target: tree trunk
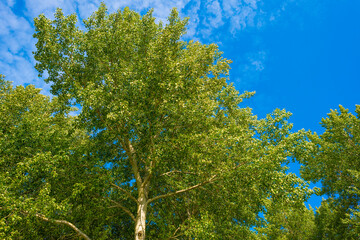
<point>140,224</point>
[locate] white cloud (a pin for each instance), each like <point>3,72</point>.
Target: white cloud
<point>86,8</point>
<point>243,19</point>
<point>9,22</point>
<point>257,60</point>
<point>254,63</point>
<point>16,45</point>
<point>18,70</point>
<point>237,15</point>
<point>194,20</point>
<point>232,14</point>
<point>241,13</point>
<point>215,14</point>
<point>252,3</point>
<point>161,8</point>
<point>10,3</point>
<point>36,7</point>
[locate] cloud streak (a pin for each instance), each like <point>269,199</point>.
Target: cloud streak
<point>16,46</point>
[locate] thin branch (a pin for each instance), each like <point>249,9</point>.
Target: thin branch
<point>102,120</point>
<point>176,231</point>
<point>67,73</point>
<point>174,236</point>
<point>126,192</point>
<point>147,177</point>
<point>152,163</point>
<point>177,171</point>
<point>123,208</point>
<point>65,223</point>
<point>213,178</point>
<point>148,174</point>
<point>131,152</point>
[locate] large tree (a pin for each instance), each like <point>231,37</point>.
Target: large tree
<point>167,143</point>
<point>334,159</point>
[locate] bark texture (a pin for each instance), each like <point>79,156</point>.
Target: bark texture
<point>140,223</point>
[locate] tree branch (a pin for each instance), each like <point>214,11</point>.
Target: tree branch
<point>131,152</point>
<point>174,236</point>
<point>148,173</point>
<point>152,163</point>
<point>65,223</point>
<point>177,171</point>
<point>67,73</point>
<point>126,192</point>
<point>213,178</point>
<point>147,177</point>
<point>123,208</point>
<point>102,120</point>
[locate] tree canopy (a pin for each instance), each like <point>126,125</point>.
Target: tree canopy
<point>161,147</point>
<point>333,159</point>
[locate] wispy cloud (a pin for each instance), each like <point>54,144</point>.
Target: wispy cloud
<point>161,8</point>
<point>33,8</point>
<point>241,14</point>
<point>256,60</point>
<point>13,30</point>
<point>192,10</point>
<point>10,3</point>
<point>234,15</point>
<point>214,17</point>
<point>249,72</point>
<point>16,46</point>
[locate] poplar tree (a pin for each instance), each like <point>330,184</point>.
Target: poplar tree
<point>333,158</point>
<point>183,160</point>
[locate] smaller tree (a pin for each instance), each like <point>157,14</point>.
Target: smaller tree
<point>334,159</point>
<point>44,178</point>
<point>285,215</point>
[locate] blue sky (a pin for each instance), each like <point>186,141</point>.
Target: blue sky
<point>301,55</point>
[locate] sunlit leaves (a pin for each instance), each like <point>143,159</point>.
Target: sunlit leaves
<point>158,121</point>
<point>333,159</point>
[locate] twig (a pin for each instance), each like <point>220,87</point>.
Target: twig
<point>123,208</point>
<point>177,171</point>
<point>126,192</point>
<point>213,178</point>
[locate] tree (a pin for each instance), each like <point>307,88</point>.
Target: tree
<point>167,143</point>
<point>333,159</point>
<point>285,214</point>
<point>36,176</point>
<point>48,176</point>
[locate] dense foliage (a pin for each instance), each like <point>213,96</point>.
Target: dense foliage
<point>161,147</point>
<point>334,159</point>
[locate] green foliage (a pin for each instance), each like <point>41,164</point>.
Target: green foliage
<point>41,162</point>
<point>285,216</point>
<point>333,159</point>
<point>160,136</point>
